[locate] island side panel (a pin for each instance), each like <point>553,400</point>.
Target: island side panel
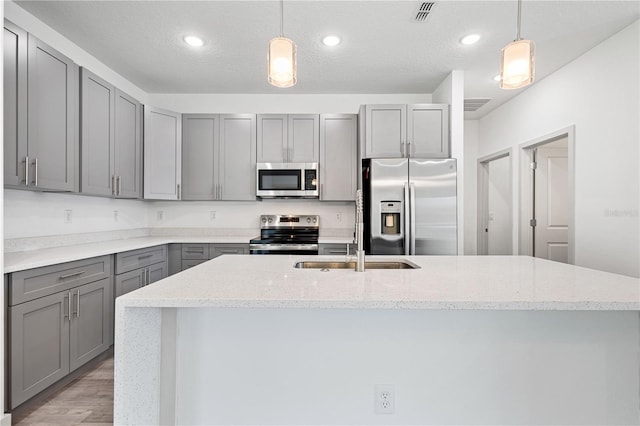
<point>311,366</point>
<point>137,368</point>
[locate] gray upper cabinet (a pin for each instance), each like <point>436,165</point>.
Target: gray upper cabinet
<point>110,139</point>
<point>288,138</point>
<point>237,157</point>
<point>394,131</point>
<point>128,146</point>
<point>40,108</point>
<point>162,154</point>
<point>338,156</point>
<point>15,105</point>
<point>52,127</point>
<point>219,154</point>
<point>200,136</point>
<point>97,139</point>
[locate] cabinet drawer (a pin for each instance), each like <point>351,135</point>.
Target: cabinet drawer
<point>195,251</point>
<point>39,282</point>
<point>216,250</point>
<point>135,259</point>
<point>336,249</point>
<point>186,264</point>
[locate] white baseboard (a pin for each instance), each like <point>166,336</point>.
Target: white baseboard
<point>5,420</point>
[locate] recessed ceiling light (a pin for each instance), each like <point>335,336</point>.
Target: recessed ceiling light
<point>194,41</point>
<point>470,39</point>
<point>496,78</point>
<point>331,40</point>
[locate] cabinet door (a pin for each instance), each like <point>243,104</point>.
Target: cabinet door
<point>130,281</point>
<point>156,272</point>
<point>199,138</point>
<point>428,131</point>
<point>237,157</point>
<point>272,138</point>
<point>162,154</point>
<point>96,135</point>
<point>385,131</point>
<point>338,157</point>
<point>39,345</point>
<point>304,138</point>
<point>15,105</point>
<point>195,251</point>
<point>128,146</point>
<point>89,326</point>
<point>53,81</point>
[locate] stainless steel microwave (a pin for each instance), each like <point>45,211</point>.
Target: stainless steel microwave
<point>287,180</point>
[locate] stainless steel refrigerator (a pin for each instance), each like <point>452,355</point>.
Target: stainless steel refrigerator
<point>410,206</point>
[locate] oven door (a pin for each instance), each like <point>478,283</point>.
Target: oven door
<point>299,249</point>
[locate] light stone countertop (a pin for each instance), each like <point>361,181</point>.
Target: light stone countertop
<point>443,282</point>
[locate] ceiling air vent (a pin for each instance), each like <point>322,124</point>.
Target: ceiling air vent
<point>424,9</point>
<point>471,105</point>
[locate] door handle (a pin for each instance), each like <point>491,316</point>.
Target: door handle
<point>77,312</point>
<point>179,192</point>
<point>113,185</point>
<point>26,170</point>
<point>35,163</point>
<point>68,314</point>
<point>119,184</point>
<point>409,146</point>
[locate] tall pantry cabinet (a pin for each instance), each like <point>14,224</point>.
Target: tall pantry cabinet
<point>40,101</point>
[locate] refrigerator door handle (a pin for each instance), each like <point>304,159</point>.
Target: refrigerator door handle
<point>412,214</point>
<point>407,230</point>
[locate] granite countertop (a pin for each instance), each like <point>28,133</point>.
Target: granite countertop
<point>442,282</point>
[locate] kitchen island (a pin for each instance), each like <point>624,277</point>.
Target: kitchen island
<point>463,339</point>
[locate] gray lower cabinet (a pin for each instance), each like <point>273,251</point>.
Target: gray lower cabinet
<point>196,253</point>
<point>336,249</point>
<point>162,154</point>
<point>110,139</point>
<point>219,155</point>
<point>59,319</point>
<point>40,101</point>
<point>216,250</point>
<point>338,157</point>
<point>141,267</point>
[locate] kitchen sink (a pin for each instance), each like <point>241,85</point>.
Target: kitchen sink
<point>371,264</point>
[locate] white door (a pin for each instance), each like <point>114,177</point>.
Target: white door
<point>551,205</point>
<point>499,207</point>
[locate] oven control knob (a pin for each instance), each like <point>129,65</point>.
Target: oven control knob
<point>308,220</point>
<point>264,220</point>
<point>315,220</point>
<point>270,220</point>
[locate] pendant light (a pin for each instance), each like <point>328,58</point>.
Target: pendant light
<point>517,63</point>
<point>281,59</point>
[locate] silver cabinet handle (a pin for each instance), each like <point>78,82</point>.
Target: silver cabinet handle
<point>26,170</point>
<point>77,295</point>
<point>35,163</point>
<point>68,314</point>
<point>409,153</point>
<point>113,185</point>
<point>118,184</point>
<point>179,191</point>
<point>146,256</point>
<point>73,274</point>
<point>148,276</point>
<point>195,250</point>
<point>219,191</point>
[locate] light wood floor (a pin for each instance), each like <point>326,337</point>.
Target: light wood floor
<point>86,401</point>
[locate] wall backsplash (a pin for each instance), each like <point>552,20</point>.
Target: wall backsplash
<point>36,214</point>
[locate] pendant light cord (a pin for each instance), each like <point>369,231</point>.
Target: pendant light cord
<point>281,18</point>
<point>519,20</point>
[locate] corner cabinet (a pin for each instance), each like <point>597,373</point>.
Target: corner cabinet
<point>396,131</point>
<point>40,102</point>
<point>288,138</point>
<point>162,154</point>
<point>219,154</point>
<point>338,157</point>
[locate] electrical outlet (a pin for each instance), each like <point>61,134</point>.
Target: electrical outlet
<point>116,216</point>
<point>339,216</point>
<point>68,216</point>
<point>160,215</point>
<point>384,399</point>
<point>212,215</point>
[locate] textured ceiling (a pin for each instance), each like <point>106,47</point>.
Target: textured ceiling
<point>383,49</point>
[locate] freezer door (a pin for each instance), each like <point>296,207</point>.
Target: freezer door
<point>388,180</point>
<point>433,206</point>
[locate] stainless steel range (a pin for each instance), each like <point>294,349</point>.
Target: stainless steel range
<point>287,234</point>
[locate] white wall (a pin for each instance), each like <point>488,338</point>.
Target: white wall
<point>599,94</point>
<point>471,187</point>
<point>34,214</point>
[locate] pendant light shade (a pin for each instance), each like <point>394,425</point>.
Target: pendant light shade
<point>517,63</point>
<point>282,62</point>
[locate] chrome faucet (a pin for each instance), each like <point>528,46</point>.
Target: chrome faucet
<point>359,231</point>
